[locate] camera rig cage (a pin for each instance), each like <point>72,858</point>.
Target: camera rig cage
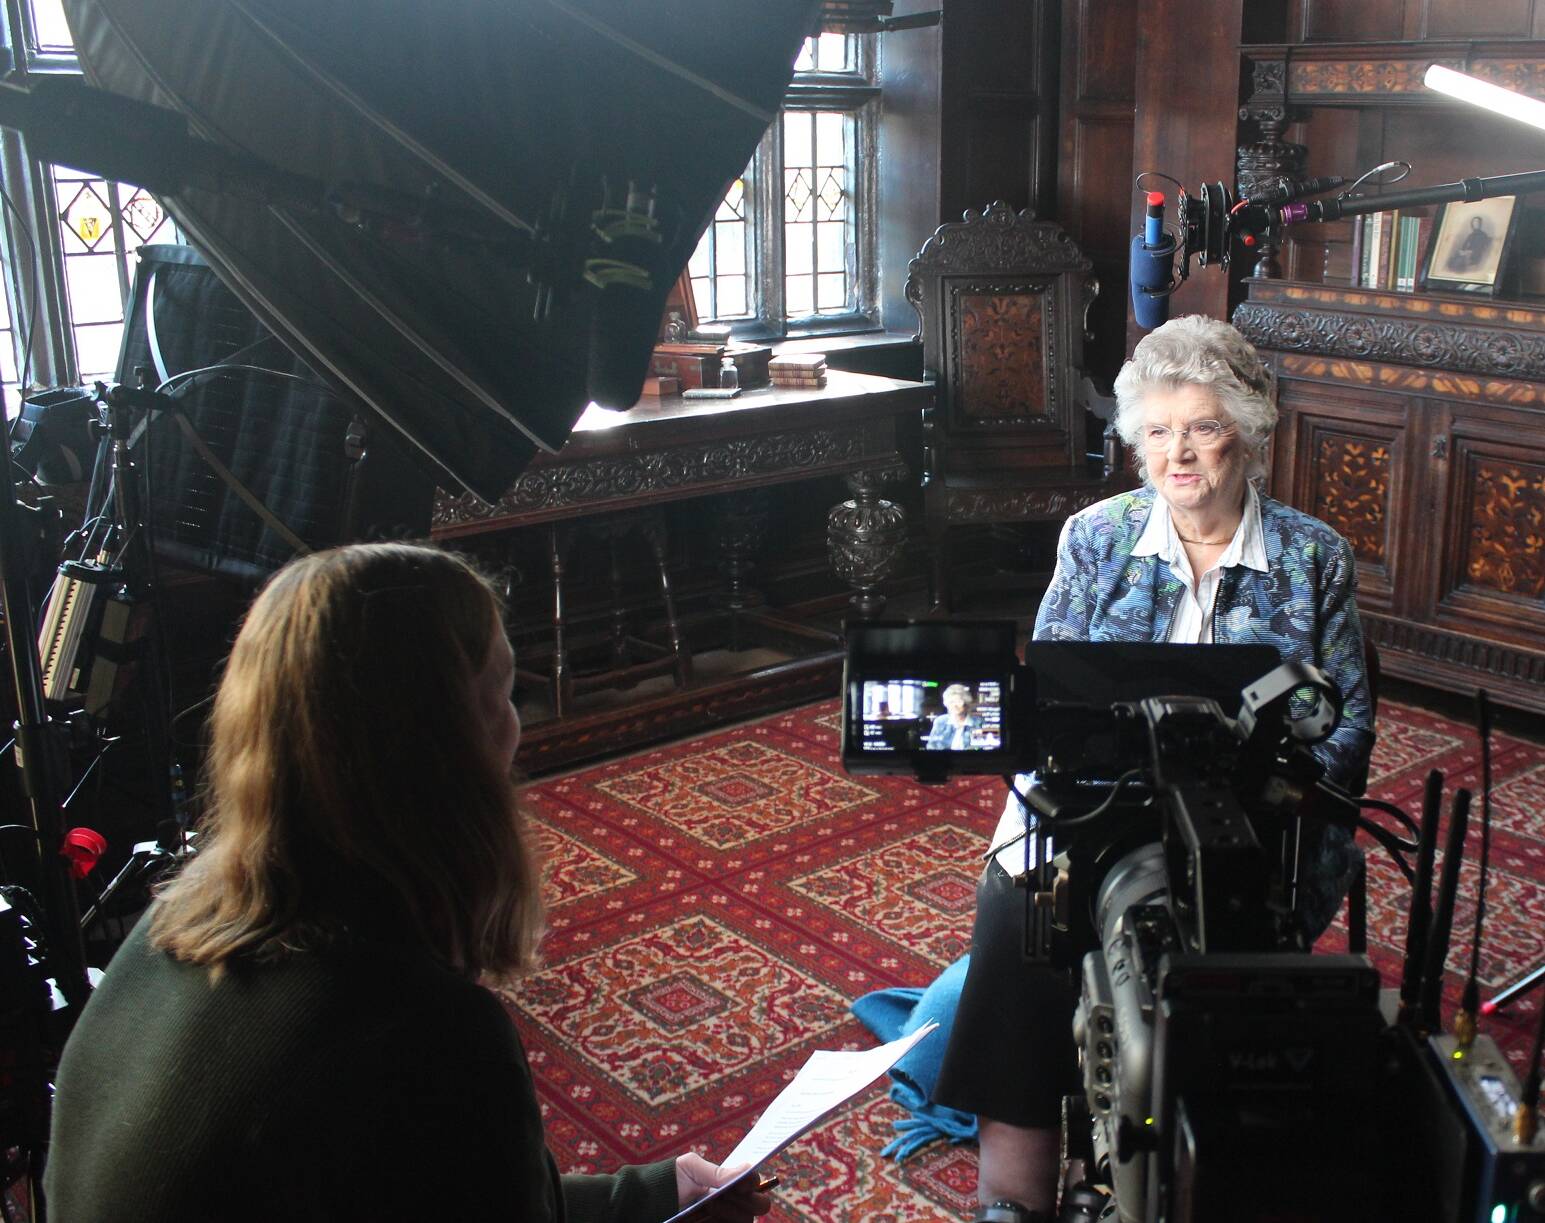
<point>1227,1073</point>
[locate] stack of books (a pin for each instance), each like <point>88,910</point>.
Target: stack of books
<point>799,370</point>
<point>1387,249</point>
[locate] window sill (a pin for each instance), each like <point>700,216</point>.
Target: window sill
<point>866,340</point>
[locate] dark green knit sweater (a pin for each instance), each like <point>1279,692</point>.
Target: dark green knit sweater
<point>367,1082</point>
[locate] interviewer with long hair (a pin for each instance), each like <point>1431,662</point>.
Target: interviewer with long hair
<point>296,1029</point>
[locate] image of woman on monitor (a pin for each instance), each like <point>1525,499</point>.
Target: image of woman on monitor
<point>955,728</point>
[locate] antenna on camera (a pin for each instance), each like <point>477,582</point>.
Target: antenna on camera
<point>1443,916</point>
<point>1470,1001</point>
<point>1419,925</point>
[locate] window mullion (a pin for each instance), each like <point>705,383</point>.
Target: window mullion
<point>769,229</point>
<point>31,189</point>
<point>865,177</point>
<point>121,252</point>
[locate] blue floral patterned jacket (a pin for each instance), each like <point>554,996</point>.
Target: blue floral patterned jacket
<point>1304,605</point>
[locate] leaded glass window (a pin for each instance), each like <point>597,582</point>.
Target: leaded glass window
<point>721,284</point>
<point>101,224</point>
<point>49,29</point>
<point>817,212</point>
<point>84,230</point>
<point>791,245</point>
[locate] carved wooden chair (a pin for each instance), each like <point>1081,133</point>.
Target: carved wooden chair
<point>1003,301</point>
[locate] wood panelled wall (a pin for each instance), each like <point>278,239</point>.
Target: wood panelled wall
<point>1094,173</point>
<point>998,106</point>
<point>1397,20</point>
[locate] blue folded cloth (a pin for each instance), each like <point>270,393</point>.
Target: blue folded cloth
<point>892,1013</point>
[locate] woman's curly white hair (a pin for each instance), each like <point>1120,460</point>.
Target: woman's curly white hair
<point>1195,350</point>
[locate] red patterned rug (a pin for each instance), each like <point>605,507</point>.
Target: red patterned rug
<point>717,904</point>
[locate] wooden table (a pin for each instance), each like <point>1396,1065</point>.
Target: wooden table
<point>671,449</point>
<point>675,449</point>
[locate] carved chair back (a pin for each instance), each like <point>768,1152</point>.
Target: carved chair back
<point>1003,300</point>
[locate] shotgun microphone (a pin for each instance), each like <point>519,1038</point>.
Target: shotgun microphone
<point>1152,267</point>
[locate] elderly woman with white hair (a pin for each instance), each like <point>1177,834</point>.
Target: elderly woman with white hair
<point>1198,554</point>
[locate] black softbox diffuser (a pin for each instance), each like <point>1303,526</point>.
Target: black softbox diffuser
<point>499,280</point>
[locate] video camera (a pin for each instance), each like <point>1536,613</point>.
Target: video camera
<point>1228,1075</point>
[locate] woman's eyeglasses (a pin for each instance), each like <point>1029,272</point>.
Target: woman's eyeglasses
<point>1204,434</point>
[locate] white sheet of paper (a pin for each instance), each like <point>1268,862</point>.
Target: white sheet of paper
<point>828,1079</point>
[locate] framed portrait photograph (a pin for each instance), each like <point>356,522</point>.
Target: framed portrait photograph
<point>1470,245</point>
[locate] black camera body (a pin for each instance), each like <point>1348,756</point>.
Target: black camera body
<point>1228,1074</point>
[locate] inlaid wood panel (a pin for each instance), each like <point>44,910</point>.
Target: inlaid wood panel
<point>1489,575</point>
<point>1505,506</point>
<point>1351,491</point>
<point>1347,471</point>
<point>1002,377</point>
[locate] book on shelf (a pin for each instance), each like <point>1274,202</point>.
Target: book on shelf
<point>1373,247</point>
<point>1425,222</point>
<point>1408,253</point>
<point>1391,249</point>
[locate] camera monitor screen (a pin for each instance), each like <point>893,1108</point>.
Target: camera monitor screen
<point>933,715</point>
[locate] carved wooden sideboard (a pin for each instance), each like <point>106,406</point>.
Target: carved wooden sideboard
<point>1415,425</point>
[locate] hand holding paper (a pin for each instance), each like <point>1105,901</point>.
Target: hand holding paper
<point>826,1080</point>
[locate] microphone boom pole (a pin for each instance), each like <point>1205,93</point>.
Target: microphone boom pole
<point>1468,189</point>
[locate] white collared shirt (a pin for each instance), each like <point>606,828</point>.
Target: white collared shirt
<point>1192,624</point>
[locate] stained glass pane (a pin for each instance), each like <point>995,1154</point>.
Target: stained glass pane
<point>798,130</point>
<point>732,297</point>
<point>834,53</point>
<point>833,292</point>
<point>145,219</point>
<point>730,248</point>
<point>48,23</point>
<point>8,374</point>
<point>832,195</point>
<point>831,129</point>
<point>832,246</point>
<point>94,294</point>
<point>733,206</point>
<point>797,253</point>
<point>797,296</point>
<point>85,216</point>
<point>101,225</point>
<point>718,264</point>
<point>828,53</point>
<point>818,211</point>
<point>96,350</point>
<point>798,194</point>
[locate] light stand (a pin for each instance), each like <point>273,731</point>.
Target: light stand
<point>41,757</point>
<point>41,752</point>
